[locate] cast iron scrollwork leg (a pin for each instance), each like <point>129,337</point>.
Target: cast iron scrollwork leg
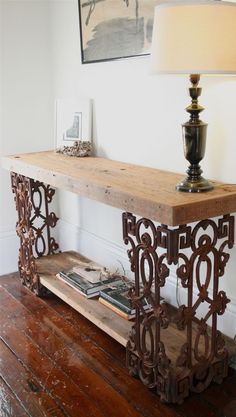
<point>24,190</point>
<point>204,352</point>
<point>42,220</point>
<point>146,356</point>
<point>199,254</point>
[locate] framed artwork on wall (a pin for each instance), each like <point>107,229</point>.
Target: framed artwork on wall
<point>73,121</point>
<point>113,29</point>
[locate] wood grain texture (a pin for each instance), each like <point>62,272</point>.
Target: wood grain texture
<point>85,341</point>
<point>78,375</point>
<point>143,191</point>
<point>53,365</point>
<point>30,392</point>
<point>10,405</point>
<point>82,381</point>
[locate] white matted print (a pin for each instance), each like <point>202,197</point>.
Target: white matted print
<point>73,121</point>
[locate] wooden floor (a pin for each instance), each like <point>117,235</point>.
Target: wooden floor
<point>53,362</point>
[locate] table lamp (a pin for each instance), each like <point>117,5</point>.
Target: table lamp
<point>194,37</point>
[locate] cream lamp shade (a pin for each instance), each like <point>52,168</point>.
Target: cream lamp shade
<point>194,37</point>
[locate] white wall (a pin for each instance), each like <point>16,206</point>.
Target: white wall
<point>27,101</point>
<point>137,118</point>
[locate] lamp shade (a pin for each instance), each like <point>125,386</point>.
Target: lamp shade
<point>194,37</point>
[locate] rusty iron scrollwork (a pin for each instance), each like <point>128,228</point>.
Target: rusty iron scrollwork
<point>42,220</point>
<point>146,356</point>
<point>30,234</point>
<point>199,255</point>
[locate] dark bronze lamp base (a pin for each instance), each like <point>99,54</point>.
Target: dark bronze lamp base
<point>194,141</point>
<point>197,186</point>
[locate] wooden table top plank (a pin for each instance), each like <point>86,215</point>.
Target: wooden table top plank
<point>147,192</point>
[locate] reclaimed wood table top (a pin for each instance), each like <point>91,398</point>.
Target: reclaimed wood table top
<point>147,192</point>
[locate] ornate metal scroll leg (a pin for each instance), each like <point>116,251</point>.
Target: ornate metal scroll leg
<point>23,189</point>
<point>146,356</point>
<point>26,263</point>
<point>42,220</point>
<point>204,352</point>
<point>199,253</point>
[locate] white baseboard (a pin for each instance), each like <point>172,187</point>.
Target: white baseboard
<point>9,248</point>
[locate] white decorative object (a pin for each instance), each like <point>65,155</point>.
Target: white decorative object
<point>73,121</point>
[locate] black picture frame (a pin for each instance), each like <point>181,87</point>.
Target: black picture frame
<point>115,29</point>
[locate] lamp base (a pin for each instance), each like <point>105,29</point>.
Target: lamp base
<point>194,186</point>
<point>194,140</point>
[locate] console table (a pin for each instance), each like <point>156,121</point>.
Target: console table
<point>172,353</point>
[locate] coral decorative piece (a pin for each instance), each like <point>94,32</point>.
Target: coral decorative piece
<point>80,149</point>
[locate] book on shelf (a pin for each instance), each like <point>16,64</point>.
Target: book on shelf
<point>116,309</point>
<point>119,298</point>
<point>85,287</point>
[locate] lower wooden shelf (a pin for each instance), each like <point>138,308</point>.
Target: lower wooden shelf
<point>104,318</point>
<point>94,311</point>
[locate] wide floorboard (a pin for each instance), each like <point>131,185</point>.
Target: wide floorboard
<point>55,363</point>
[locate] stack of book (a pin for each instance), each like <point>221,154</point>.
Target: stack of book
<point>117,299</point>
<point>88,280</point>
<point>92,280</point>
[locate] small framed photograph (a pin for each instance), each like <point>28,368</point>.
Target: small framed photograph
<point>73,121</point>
